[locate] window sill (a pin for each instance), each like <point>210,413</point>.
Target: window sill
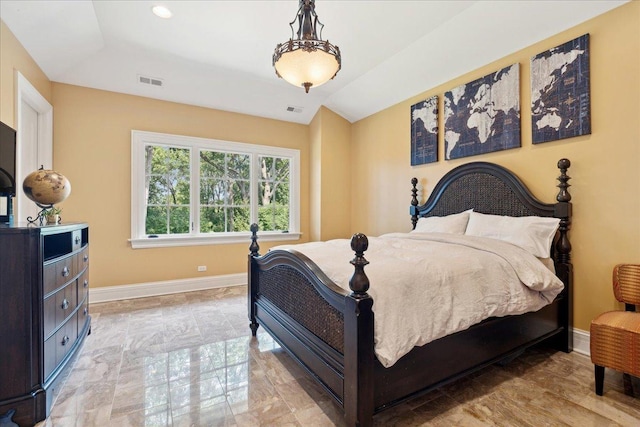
<point>172,241</point>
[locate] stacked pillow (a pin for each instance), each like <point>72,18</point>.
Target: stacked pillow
<point>532,233</point>
<point>454,224</point>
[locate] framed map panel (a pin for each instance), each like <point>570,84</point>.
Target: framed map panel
<point>424,132</point>
<point>560,98</point>
<point>484,115</point>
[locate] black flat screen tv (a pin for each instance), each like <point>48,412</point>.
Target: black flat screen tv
<point>7,160</point>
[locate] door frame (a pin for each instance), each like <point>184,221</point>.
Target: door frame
<point>27,93</point>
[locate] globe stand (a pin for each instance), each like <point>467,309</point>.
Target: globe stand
<point>40,217</point>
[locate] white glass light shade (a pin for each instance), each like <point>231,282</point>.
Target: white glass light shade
<point>300,66</point>
<point>162,12</point>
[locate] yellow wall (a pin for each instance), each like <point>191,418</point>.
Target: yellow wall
<point>330,175</point>
<point>13,57</point>
<point>92,147</point>
<point>605,165</point>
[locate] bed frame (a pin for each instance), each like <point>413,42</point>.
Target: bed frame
<point>329,331</point>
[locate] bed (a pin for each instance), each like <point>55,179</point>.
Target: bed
<point>330,330</point>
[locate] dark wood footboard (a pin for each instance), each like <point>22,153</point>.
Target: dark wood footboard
<point>327,329</point>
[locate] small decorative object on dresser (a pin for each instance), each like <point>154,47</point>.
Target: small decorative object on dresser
<point>45,188</point>
<point>44,301</point>
<point>52,215</point>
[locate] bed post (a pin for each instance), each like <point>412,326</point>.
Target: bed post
<point>358,342</point>
<point>252,280</point>
<point>414,202</point>
<point>564,268</point>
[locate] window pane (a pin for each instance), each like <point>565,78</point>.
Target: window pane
<point>238,166</point>
<point>156,220</point>
<point>211,164</point>
<point>155,157</point>
<point>239,194</point>
<point>273,197</point>
<point>213,191</point>
<point>167,188</point>
<point>273,217</point>
<point>179,220</point>
<point>239,218</point>
<point>212,220</point>
<point>179,188</point>
<point>224,192</point>
<point>158,190</point>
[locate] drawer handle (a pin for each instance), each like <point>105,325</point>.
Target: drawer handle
<point>65,304</point>
<point>77,240</point>
<point>86,283</point>
<point>65,340</point>
<point>65,271</point>
<point>85,258</point>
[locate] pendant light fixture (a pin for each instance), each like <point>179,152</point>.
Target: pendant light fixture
<point>307,60</point>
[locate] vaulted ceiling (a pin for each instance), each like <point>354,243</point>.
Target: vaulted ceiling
<point>217,54</point>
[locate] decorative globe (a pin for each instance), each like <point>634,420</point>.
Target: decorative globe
<point>46,187</point>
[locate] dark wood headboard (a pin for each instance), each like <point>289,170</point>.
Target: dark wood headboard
<point>493,189</point>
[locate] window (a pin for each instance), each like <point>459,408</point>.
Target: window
<point>194,191</point>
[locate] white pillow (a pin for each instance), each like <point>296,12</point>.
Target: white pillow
<point>532,233</point>
<point>453,224</point>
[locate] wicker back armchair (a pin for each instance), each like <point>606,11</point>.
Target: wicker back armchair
<point>615,335</point>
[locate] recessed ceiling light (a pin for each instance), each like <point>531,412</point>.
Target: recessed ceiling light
<point>162,12</point>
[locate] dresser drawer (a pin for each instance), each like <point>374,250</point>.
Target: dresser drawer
<point>83,286</point>
<point>49,278</point>
<point>58,273</point>
<point>76,239</point>
<point>49,356</point>
<point>50,308</point>
<point>83,315</point>
<point>62,304</point>
<point>65,270</point>
<point>59,345</point>
<point>66,301</point>
<point>65,338</point>
<point>82,260</point>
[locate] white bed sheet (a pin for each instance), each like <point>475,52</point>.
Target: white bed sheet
<point>428,285</point>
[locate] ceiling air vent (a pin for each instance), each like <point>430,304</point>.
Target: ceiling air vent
<point>150,81</point>
<point>293,109</point>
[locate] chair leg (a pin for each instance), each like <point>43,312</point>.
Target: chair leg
<point>628,384</point>
<point>599,370</point>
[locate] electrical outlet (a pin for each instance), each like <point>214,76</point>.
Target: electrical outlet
<point>202,268</point>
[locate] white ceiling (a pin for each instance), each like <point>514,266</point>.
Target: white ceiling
<point>217,54</point>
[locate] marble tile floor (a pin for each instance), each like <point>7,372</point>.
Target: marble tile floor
<point>189,360</point>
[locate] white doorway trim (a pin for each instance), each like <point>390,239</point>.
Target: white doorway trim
<point>27,93</point>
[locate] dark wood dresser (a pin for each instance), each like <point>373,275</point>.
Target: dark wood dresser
<point>44,313</point>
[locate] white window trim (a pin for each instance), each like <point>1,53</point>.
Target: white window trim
<point>140,240</point>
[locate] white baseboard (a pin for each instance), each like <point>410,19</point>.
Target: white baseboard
<point>581,342</point>
<point>141,290</point>
<point>150,289</point>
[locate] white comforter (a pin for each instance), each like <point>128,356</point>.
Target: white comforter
<point>428,285</point>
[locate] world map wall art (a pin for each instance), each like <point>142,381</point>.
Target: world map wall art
<point>484,115</point>
<point>424,132</point>
<point>560,99</point>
